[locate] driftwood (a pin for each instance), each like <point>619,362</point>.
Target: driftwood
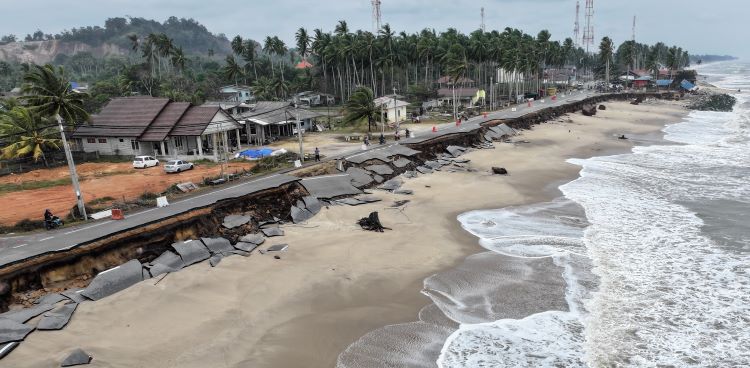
<point>372,223</point>
<point>589,110</point>
<point>499,171</point>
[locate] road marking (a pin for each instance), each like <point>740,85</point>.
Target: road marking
<point>47,238</point>
<point>88,227</point>
<point>324,177</point>
<point>21,245</point>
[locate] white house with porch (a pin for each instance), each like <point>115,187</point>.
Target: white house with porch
<point>162,128</point>
<point>394,110</point>
<point>268,121</point>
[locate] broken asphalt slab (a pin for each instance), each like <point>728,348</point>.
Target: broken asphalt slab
<point>391,185</point>
<point>58,318</point>
<point>246,247</point>
<point>114,280</point>
<point>456,151</point>
<point>312,204</point>
<point>51,299</point>
<point>380,169</point>
<point>13,331</point>
<point>300,215</point>
<point>332,186</point>
<point>217,245</point>
<point>278,248</point>
<point>424,170</point>
<point>168,259</point>
<point>232,221</point>
<point>256,239</point>
<point>401,162</point>
<point>191,251</point>
<point>6,348</point>
<point>77,357</point>
<point>272,231</point>
<point>23,315</point>
<point>359,177</point>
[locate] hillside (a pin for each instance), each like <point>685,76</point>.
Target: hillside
<point>112,39</point>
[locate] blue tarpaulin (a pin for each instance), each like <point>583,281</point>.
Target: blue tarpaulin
<point>687,85</point>
<point>256,153</point>
<point>663,82</point>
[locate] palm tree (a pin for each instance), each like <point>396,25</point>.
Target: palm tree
<point>232,70</point>
<point>31,134</point>
<point>606,50</point>
<point>303,42</point>
<point>263,88</point>
<point>178,59</point>
<point>269,48</point>
<point>249,55</point>
<point>238,47</point>
<point>361,105</point>
<point>47,92</point>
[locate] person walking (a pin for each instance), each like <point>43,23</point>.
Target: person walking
<point>317,154</point>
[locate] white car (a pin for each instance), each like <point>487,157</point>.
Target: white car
<point>175,166</point>
<point>142,162</point>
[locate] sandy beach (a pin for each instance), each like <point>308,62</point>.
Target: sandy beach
<point>336,282</point>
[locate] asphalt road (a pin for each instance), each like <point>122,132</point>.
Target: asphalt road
<point>17,248</point>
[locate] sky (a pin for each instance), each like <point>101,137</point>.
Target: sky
<point>712,27</point>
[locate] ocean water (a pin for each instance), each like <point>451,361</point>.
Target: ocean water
<point>645,262</point>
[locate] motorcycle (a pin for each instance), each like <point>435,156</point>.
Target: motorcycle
<point>53,223</point>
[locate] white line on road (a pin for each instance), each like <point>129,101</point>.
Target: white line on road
<point>47,238</point>
<point>21,245</point>
<point>88,227</point>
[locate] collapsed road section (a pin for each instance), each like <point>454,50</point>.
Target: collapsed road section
<point>91,263</point>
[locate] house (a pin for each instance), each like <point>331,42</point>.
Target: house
<point>304,64</point>
<point>446,81</point>
<point>159,127</point>
<point>268,121</point>
<point>663,83</point>
<point>394,110</point>
<point>236,93</point>
<point>642,81</point>
<point>232,108</point>
<point>310,98</point>
<point>464,96</point>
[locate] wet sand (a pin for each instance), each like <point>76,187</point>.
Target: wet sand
<point>336,282</point>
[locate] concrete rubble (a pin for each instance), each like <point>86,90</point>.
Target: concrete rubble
<point>380,169</point>
<point>272,231</point>
<point>191,251</point>
<point>256,239</point>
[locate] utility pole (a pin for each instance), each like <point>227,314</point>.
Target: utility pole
<point>481,26</point>
<point>299,134</point>
<point>577,25</point>
<point>72,168</point>
<point>376,16</point>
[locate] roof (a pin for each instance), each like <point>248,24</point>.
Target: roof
<point>124,117</point>
<point>663,82</point>
<point>304,64</point>
<point>163,124</point>
<point>460,92</point>
<point>274,112</point>
<point>687,85</point>
<point>644,78</point>
<point>448,79</point>
<point>389,102</point>
<point>195,120</point>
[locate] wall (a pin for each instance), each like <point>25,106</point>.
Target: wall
<point>112,147</point>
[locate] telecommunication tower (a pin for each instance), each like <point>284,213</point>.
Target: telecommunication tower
<point>376,16</point>
<point>577,25</point>
<point>481,26</point>
<point>588,31</point>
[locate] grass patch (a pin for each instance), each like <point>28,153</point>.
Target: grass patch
<point>100,200</point>
<point>31,185</point>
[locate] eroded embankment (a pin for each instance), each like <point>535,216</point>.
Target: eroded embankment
<point>23,282</point>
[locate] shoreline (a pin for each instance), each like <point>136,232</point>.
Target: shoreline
<point>329,289</point>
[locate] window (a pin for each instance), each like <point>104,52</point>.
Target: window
<point>122,140</point>
<point>134,145</point>
<point>90,140</point>
<point>178,143</point>
<point>102,140</point>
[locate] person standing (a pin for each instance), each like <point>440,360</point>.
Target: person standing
<point>317,154</point>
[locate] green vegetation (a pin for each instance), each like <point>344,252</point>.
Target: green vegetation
<point>100,201</point>
<point>360,106</point>
<point>30,185</point>
<point>28,134</point>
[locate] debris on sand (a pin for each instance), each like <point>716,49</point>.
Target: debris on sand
<point>499,170</point>
<point>372,223</point>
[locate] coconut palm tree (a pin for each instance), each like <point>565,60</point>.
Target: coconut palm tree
<point>263,88</point>
<point>47,92</point>
<point>361,105</point>
<point>303,42</point>
<point>249,54</point>
<point>232,70</point>
<point>238,47</point>
<point>29,133</point>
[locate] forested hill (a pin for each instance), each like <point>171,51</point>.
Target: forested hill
<point>113,38</point>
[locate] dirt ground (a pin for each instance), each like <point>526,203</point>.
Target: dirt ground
<point>98,180</point>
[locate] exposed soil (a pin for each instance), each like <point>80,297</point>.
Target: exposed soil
<point>98,180</point>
